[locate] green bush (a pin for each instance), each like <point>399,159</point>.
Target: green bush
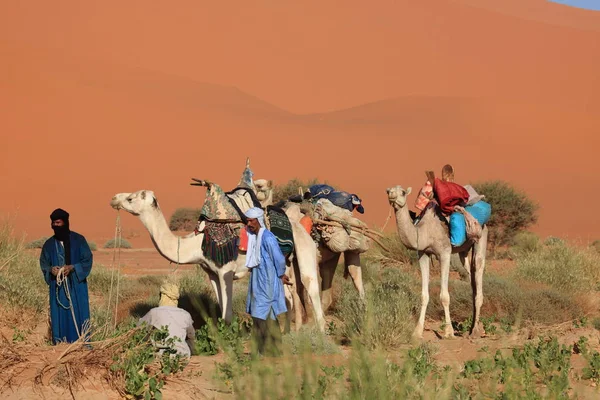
<point>386,317</point>
<point>512,211</point>
<point>122,243</point>
<point>525,243</point>
<point>595,245</point>
<point>184,219</point>
<point>93,246</point>
<point>565,268</point>
<point>22,284</point>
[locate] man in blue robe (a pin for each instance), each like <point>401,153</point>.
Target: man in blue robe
<point>265,300</point>
<point>66,261</point>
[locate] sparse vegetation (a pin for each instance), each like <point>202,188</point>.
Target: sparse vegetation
<point>563,267</point>
<point>365,352</point>
<point>512,211</point>
<point>118,243</point>
<point>38,243</point>
<point>184,219</point>
<point>291,188</point>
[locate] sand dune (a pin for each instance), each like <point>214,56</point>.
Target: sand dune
<point>95,102</point>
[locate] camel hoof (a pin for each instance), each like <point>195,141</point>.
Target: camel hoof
<point>477,332</point>
<point>449,332</point>
<point>417,335</point>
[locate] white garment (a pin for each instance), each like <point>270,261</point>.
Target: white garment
<point>254,240</point>
<point>179,323</point>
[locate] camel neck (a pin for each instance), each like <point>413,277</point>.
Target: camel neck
<point>174,248</point>
<point>407,232</point>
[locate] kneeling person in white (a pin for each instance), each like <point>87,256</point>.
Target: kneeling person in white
<point>178,321</point>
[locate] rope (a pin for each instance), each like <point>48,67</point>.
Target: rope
<point>178,246</point>
<point>116,251</point>
<point>387,219</point>
<point>63,280</point>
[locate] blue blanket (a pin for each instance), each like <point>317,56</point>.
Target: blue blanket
<point>481,211</point>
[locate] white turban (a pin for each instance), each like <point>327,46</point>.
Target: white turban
<point>255,240</point>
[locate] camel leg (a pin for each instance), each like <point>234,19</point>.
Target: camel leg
<point>352,262</point>
<point>298,302</point>
<point>465,260</point>
<point>307,268</point>
<point>445,295</point>
<point>216,285</point>
<point>424,264</point>
<point>327,271</point>
<point>226,285</point>
<point>477,284</point>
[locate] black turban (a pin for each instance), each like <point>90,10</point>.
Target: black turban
<point>59,213</point>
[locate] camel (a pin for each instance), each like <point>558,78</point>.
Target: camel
<point>188,250</point>
<point>430,237</point>
<point>328,260</point>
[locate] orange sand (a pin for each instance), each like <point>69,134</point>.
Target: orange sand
<point>111,97</point>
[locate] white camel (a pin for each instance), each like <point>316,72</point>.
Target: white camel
<point>188,250</point>
<point>328,260</point>
<point>430,237</point>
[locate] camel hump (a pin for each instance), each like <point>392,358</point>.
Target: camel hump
<point>448,173</point>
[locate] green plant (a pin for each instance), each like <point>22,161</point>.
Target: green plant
<point>592,370</point>
<point>595,245</point>
<point>184,219</point>
<point>211,338</point>
<point>581,346</point>
<point>309,340</point>
<point>143,369</point>
<point>93,246</point>
<point>19,335</point>
<point>119,243</point>
<point>512,211</point>
<point>563,267</point>
<point>580,322</point>
<point>525,243</point>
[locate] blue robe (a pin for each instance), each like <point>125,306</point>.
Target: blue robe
<point>61,319</point>
<point>265,290</point>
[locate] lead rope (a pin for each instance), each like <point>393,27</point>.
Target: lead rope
<point>62,280</point>
<point>177,263</point>
<point>117,257</point>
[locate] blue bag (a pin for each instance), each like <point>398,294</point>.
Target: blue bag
<point>481,211</point>
<point>458,229</point>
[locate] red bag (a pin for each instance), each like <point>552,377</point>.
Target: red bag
<point>243,239</point>
<point>449,194</point>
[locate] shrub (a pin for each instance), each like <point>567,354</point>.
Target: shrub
<point>512,211</point>
<point>562,267</point>
<point>525,243</point>
<point>385,319</point>
<point>122,243</point>
<point>22,285</point>
<point>38,243</point>
<point>595,245</point>
<point>291,188</point>
<point>93,246</point>
<point>505,299</point>
<point>397,253</point>
<point>309,341</point>
<point>184,219</point>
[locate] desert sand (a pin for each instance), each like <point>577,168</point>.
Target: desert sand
<point>100,99</point>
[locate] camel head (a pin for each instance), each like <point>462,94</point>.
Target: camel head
<point>397,196</point>
<point>264,191</point>
<point>135,203</point>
